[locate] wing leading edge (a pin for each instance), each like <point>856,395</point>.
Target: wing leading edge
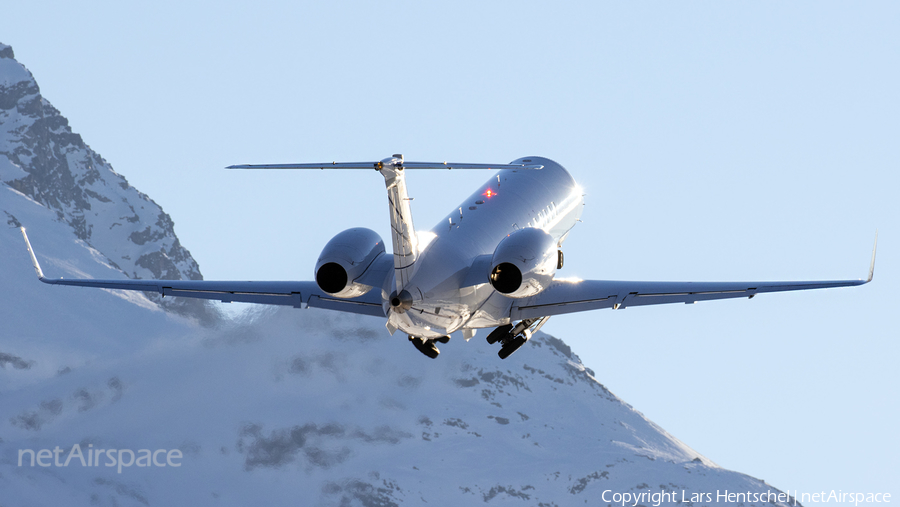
<point>569,296</point>
<point>297,294</point>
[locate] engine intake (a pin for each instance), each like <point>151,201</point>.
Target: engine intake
<point>506,277</point>
<point>331,277</point>
<point>344,259</point>
<point>524,263</point>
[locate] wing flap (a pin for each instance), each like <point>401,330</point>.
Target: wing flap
<point>296,294</point>
<point>356,305</point>
<point>567,296</point>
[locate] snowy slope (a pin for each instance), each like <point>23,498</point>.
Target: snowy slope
<point>323,407</point>
<point>280,406</point>
<point>38,319</point>
<point>299,404</point>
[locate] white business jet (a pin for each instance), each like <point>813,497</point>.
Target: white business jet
<point>491,263</point>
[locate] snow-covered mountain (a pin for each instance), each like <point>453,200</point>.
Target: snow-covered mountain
<point>42,158</point>
<point>280,406</point>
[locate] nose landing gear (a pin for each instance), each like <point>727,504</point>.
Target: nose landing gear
<point>512,338</point>
<point>427,346</point>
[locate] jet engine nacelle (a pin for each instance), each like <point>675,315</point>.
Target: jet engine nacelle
<point>344,259</point>
<point>524,263</point>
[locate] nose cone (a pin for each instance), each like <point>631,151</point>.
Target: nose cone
<point>550,166</point>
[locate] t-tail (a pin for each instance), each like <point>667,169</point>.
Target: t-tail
<point>403,234</point>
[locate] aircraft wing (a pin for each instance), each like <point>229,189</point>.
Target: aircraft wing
<point>296,294</point>
<point>569,296</point>
<point>564,296</point>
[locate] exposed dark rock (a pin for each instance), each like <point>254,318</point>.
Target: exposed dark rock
<point>64,174</point>
<point>14,361</point>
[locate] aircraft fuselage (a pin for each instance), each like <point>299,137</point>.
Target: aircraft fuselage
<point>449,286</point>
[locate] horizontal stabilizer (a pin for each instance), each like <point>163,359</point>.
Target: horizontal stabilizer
<point>379,165</point>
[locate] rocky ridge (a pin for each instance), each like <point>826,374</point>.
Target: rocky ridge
<point>42,158</point>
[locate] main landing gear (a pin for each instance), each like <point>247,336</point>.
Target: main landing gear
<point>427,346</point>
<point>512,337</point>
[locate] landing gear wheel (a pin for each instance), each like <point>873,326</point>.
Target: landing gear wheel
<point>442,339</point>
<point>497,335</point>
<point>512,346</point>
<point>425,346</point>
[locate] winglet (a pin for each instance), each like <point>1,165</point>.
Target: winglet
<point>872,264</point>
<point>37,267</point>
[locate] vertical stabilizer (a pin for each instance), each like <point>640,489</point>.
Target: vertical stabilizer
<point>403,234</point>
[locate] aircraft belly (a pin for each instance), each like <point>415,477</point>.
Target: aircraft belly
<point>493,310</point>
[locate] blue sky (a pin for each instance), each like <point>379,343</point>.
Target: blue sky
<point>714,140</point>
